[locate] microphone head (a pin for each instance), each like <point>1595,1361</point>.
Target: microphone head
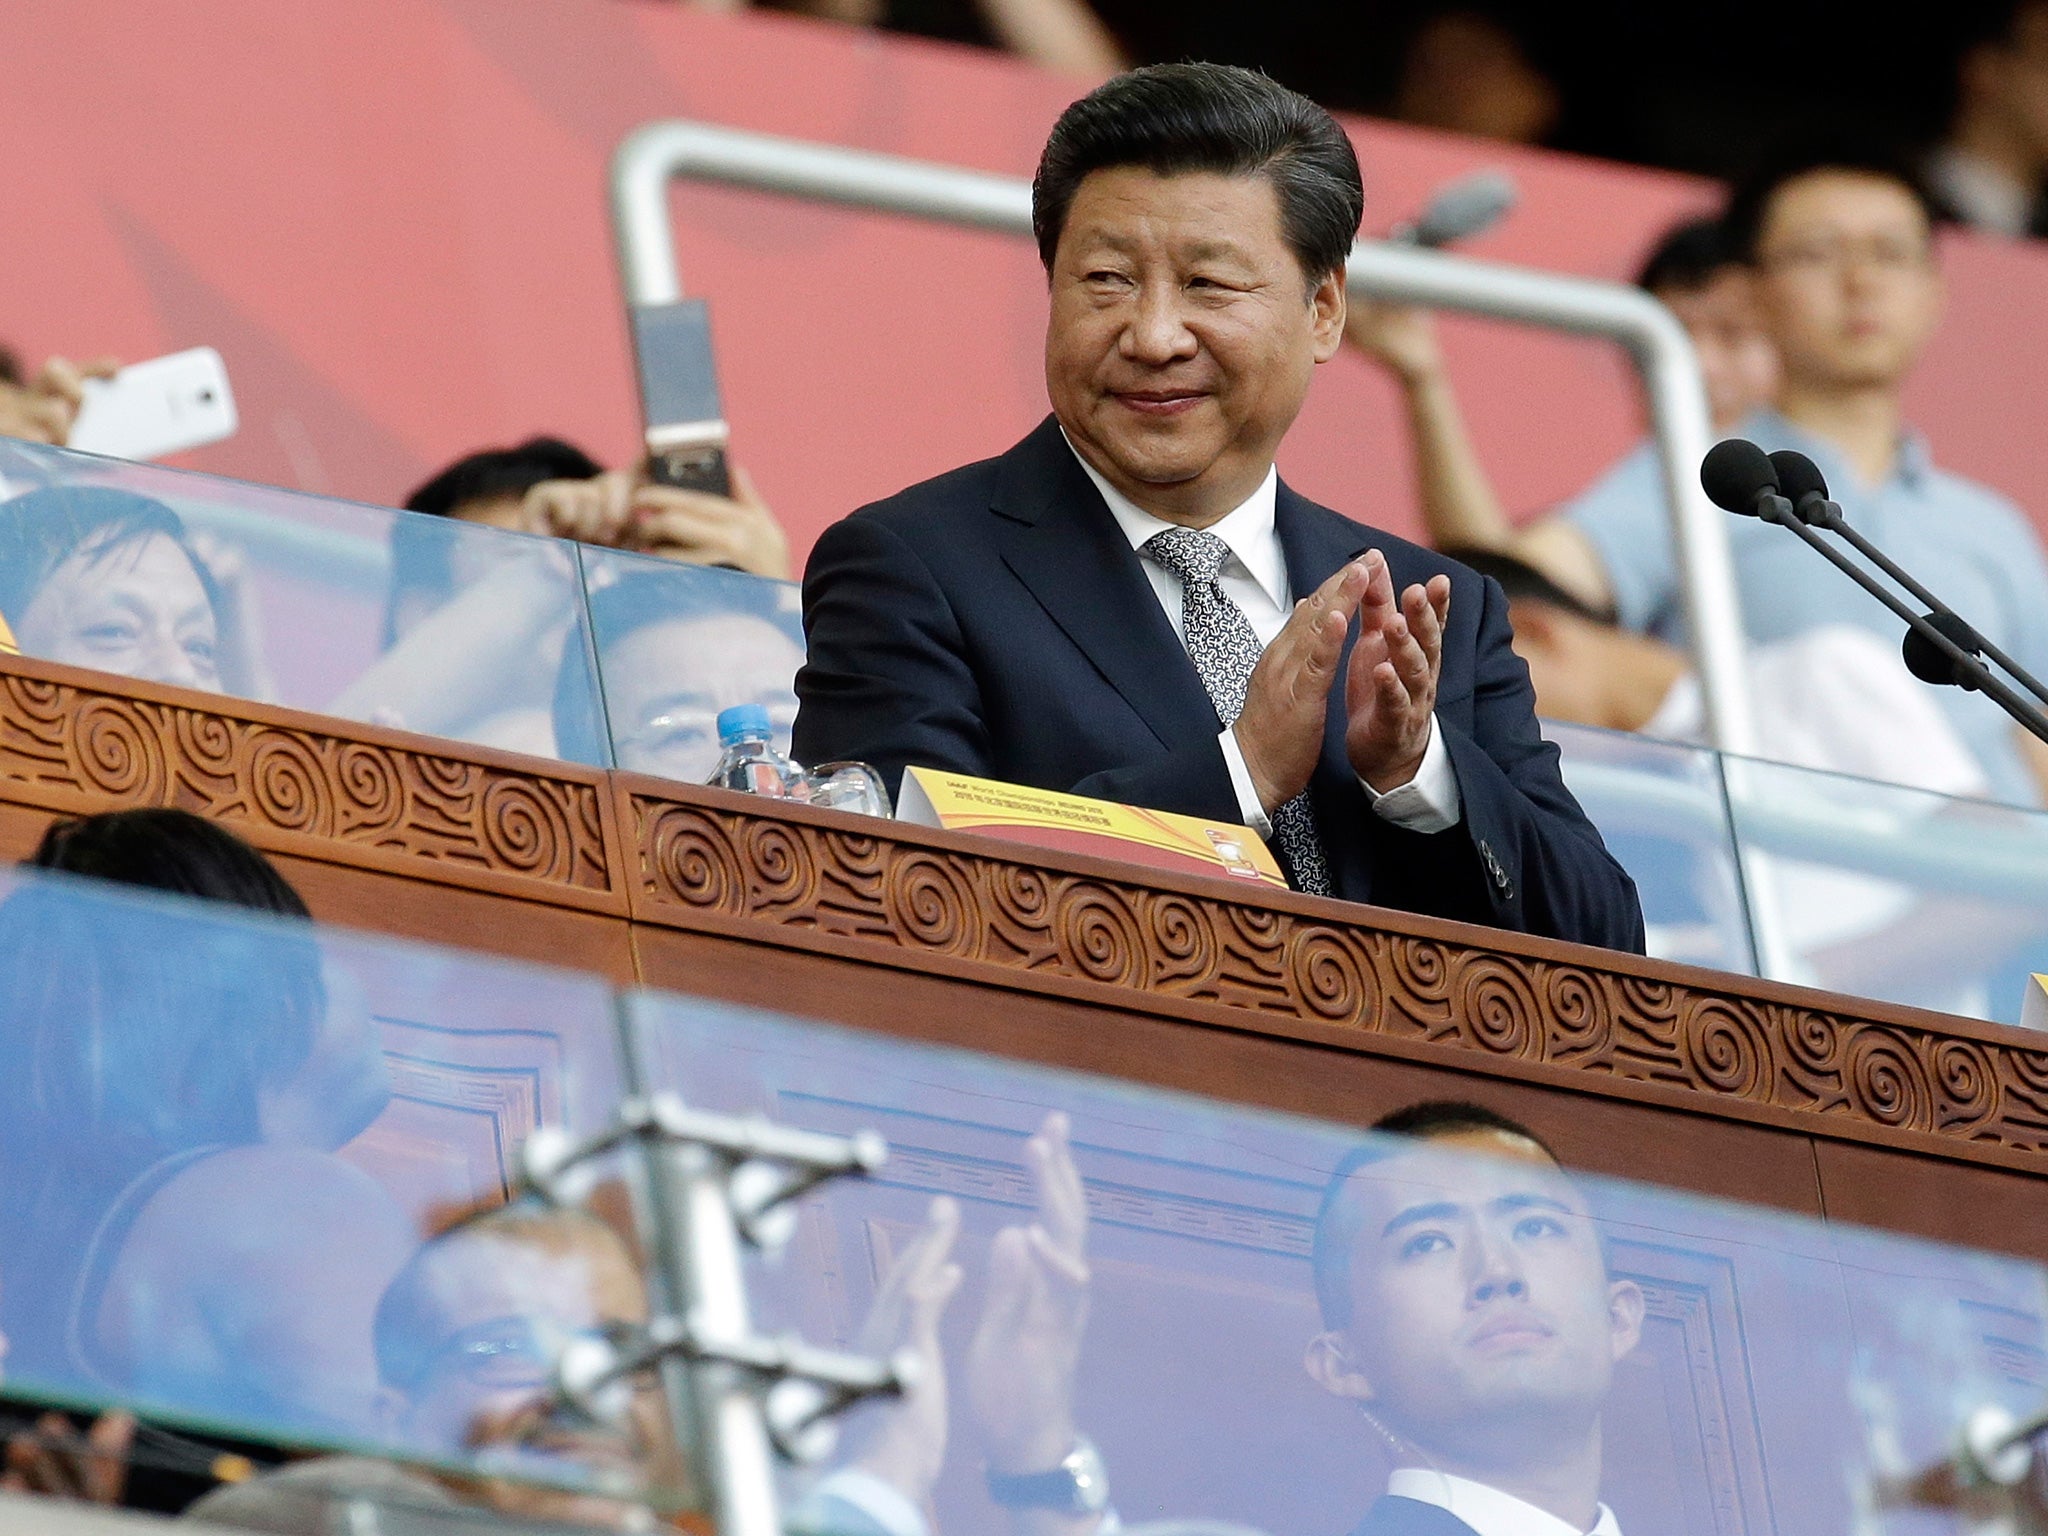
<point>1735,474</point>
<point>1469,206</point>
<point>1798,477</point>
<point>1928,661</point>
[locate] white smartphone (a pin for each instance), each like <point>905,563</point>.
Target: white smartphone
<point>158,407</point>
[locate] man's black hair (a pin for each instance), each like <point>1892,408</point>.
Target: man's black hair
<point>634,601</point>
<point>1791,160</point>
<point>41,529</point>
<point>1687,256</point>
<point>1176,119</point>
<point>1523,583</point>
<point>494,473</point>
<point>1432,1120</point>
<point>163,848</point>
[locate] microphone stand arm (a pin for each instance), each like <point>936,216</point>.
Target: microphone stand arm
<point>1831,518</point>
<point>1970,669</point>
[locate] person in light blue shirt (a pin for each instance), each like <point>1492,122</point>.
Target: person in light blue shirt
<point>1839,248</point>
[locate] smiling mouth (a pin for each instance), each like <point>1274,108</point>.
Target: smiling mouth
<point>1158,402</point>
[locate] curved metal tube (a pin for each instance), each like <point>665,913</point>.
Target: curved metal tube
<point>652,156</point>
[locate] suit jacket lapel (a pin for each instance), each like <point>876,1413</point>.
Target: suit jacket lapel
<point>1059,539</point>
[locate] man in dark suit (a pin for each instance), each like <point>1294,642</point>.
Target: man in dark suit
<point>1130,605</point>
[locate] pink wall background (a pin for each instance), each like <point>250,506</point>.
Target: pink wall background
<point>389,216</point>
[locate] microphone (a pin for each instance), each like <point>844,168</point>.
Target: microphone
<point>1459,210</point>
<point>1807,487</point>
<point>1740,477</point>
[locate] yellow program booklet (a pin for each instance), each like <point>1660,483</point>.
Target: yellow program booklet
<point>1073,822</point>
<point>2034,1010</point>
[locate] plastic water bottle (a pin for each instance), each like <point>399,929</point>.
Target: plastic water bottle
<point>750,762</point>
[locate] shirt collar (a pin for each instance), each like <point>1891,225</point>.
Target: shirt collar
<point>1910,468</point>
<point>1247,529</point>
<point>1487,1510</point>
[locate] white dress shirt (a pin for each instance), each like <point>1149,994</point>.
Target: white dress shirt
<point>1487,1510</point>
<point>1255,578</point>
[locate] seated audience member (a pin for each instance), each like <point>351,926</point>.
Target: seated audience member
<point>1988,170</point>
<point>102,578</point>
<point>1696,275</point>
<point>180,1085</point>
<point>1064,35</point>
<point>672,653</point>
<point>1130,605</point>
<point>467,1340</point>
<point>1469,68</point>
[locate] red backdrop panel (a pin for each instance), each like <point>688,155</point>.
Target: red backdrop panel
<point>389,216</point>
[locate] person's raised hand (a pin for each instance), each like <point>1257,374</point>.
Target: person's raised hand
<point>1280,729</point>
<point>1027,1348</point>
<point>593,511</point>
<point>1400,337</point>
<point>702,529</point>
<point>53,1459</point>
<point>1390,691</point>
<point>45,409</point>
<point>905,1442</point>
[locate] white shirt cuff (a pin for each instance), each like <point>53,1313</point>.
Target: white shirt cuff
<point>1248,806</point>
<point>882,1502</point>
<point>1429,802</point>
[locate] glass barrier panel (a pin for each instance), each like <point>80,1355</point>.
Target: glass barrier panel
<point>675,644</point>
<point>424,623</point>
<point>1893,893</point>
<point>1660,809</point>
<point>255,1186</point>
<point>1261,1324</point>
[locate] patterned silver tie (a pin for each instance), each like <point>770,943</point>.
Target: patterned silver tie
<point>1224,649</point>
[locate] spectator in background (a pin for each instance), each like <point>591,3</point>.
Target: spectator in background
<point>1472,69</point>
<point>1989,169</point>
<point>1064,35</point>
<point>42,409</point>
<point>671,657</point>
<point>1695,274</point>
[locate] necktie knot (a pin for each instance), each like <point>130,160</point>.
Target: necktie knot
<point>1190,553</point>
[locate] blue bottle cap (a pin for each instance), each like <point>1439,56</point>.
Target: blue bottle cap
<point>743,722</point>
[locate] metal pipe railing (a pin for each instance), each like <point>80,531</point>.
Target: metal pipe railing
<point>653,156</point>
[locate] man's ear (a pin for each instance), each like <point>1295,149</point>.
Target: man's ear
<point>1625,1315</point>
<point>1330,1366</point>
<point>1326,317</point>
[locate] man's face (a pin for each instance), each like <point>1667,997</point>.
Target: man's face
<point>506,1305</point>
<point>1845,280</point>
<point>139,610</point>
<point>1737,361</point>
<point>1483,1319</point>
<point>665,683</point>
<point>1182,335</point>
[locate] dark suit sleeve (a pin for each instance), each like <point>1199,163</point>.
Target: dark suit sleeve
<point>886,679</point>
<point>1524,856</point>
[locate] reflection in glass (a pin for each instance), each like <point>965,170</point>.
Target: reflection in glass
<point>675,645</point>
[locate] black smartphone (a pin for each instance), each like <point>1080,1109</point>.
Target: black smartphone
<point>686,432</point>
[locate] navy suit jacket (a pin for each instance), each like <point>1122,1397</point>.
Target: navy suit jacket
<point>996,622</point>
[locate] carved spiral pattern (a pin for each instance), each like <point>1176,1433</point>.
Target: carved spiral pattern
<point>1888,1082</point>
<point>1259,931</point>
<point>32,699</point>
<point>693,861</point>
<point>448,777</point>
<point>287,788</point>
<point>1182,938</point>
<point>1498,1008</point>
<point>2030,1068</point>
<point>207,742</point>
<point>779,862</point>
<point>1577,1009</point>
<point>1023,901</point>
<point>928,901</point>
<point>117,755</point>
<point>1422,969</point>
<point>1098,935</point>
<point>1726,1050</point>
<point>1813,1041</point>
<point>523,827</point>
<point>1328,979</point>
<point>373,795</point>
<point>1968,1083</point>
